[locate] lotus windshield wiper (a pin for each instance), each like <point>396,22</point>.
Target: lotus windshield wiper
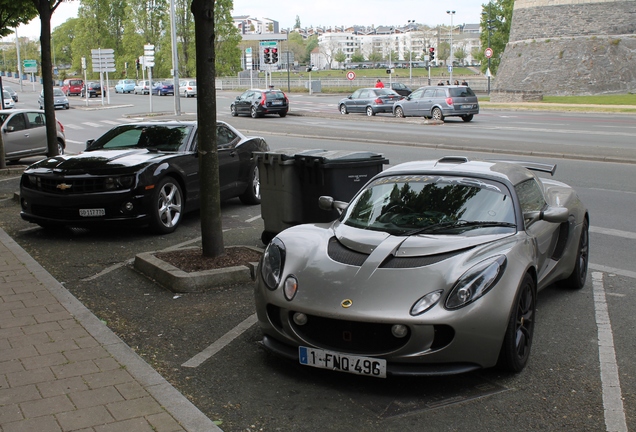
<point>463,224</point>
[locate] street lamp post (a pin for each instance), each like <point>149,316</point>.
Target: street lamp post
<point>490,28</point>
<point>450,69</point>
<point>410,52</point>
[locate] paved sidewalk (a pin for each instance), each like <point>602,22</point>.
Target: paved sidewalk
<point>61,369</point>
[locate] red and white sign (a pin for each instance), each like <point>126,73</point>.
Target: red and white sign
<point>351,75</point>
<point>488,52</point>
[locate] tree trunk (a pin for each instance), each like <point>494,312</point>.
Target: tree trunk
<point>45,10</point>
<point>211,227</point>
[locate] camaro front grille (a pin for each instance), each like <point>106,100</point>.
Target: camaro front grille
<point>70,186</point>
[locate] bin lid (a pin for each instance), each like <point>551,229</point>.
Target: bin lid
<point>341,156</point>
<point>286,153</point>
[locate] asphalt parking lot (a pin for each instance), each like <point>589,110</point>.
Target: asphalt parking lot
<point>244,388</point>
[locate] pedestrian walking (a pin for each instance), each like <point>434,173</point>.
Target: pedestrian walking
<point>379,83</point>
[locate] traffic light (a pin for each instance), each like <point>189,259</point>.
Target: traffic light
<point>267,56</point>
<point>431,54</point>
<point>274,55</point>
<point>137,63</point>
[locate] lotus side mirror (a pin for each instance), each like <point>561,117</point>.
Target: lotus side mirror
<point>551,214</point>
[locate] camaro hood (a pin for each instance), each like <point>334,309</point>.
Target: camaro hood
<point>97,160</point>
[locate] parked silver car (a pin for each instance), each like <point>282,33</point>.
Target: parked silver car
<point>188,88</point>
<point>24,133</point>
<point>370,101</point>
<point>59,99</point>
<point>13,93</point>
<point>438,102</point>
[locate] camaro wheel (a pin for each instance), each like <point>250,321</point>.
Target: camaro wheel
<point>517,342</point>
<point>577,279</point>
<point>252,194</point>
<point>168,206</point>
<point>437,114</point>
<point>467,117</point>
<point>253,112</point>
<point>370,111</point>
<point>233,111</point>
<point>343,109</point>
<point>399,112</point>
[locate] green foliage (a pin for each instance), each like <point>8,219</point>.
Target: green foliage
<point>127,25</point>
<point>496,18</point>
<point>357,57</point>
<point>443,51</point>
<point>311,44</point>
<point>13,13</point>
<point>340,56</point>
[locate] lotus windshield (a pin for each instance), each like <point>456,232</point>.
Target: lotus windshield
<point>152,137</point>
<point>420,204</point>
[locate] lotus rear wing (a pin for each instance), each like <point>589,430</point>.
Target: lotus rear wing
<point>533,166</point>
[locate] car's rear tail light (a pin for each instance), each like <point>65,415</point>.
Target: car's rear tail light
<point>378,101</point>
<point>61,126</point>
<point>449,101</point>
<point>263,101</point>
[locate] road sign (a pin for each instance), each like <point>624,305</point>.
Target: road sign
<point>103,60</point>
<point>149,55</point>
<point>351,75</point>
<point>488,52</point>
<point>450,68</point>
<point>268,43</point>
<point>29,66</point>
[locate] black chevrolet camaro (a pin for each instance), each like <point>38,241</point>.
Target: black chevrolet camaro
<point>143,173</point>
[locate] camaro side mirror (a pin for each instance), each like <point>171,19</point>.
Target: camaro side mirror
<point>88,143</point>
<point>328,203</point>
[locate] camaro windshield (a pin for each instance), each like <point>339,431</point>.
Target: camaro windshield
<point>420,204</point>
<point>156,137</point>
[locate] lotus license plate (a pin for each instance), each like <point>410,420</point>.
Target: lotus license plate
<point>358,365</point>
<point>92,212</point>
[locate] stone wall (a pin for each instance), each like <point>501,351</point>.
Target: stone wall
<point>570,65</point>
<point>568,47</point>
<point>508,96</point>
<point>539,19</point>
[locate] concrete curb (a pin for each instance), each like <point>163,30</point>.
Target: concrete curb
<point>179,281</point>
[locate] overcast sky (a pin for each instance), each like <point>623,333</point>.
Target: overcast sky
<point>321,13</point>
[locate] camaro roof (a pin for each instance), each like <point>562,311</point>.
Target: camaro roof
<point>512,171</point>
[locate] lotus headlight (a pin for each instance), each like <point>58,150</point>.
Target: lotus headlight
<point>426,302</point>
<point>273,263</point>
<point>476,282</point>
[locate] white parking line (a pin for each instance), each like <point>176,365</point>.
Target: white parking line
<point>110,122</point>
<point>612,398</point>
<point>72,126</point>
<point>221,343</point>
<point>92,124</point>
<point>614,232</point>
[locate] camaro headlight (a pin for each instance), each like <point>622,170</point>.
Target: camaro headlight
<point>122,182</point>
<point>273,263</point>
<point>476,282</point>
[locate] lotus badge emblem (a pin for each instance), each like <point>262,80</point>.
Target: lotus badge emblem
<point>346,303</point>
<point>63,186</point>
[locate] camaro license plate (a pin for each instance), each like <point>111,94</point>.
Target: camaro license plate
<point>342,362</point>
<point>92,212</point>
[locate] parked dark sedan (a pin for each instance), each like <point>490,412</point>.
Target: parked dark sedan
<point>401,89</point>
<point>370,101</point>
<point>94,89</point>
<point>143,173</point>
<point>257,103</point>
<point>163,88</point>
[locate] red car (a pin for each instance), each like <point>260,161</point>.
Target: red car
<point>72,86</point>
